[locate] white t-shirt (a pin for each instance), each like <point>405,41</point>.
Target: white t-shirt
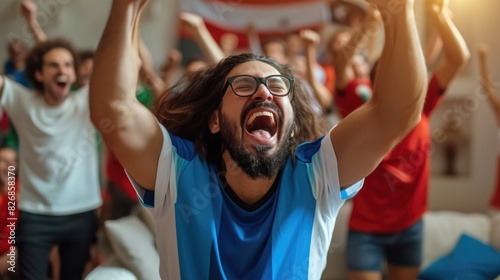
<point>58,158</point>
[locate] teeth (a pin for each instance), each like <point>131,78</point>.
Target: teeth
<point>61,79</point>
<point>261,113</point>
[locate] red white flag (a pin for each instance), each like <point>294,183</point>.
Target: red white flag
<point>267,16</point>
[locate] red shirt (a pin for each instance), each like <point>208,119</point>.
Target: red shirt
<point>7,217</point>
<point>495,199</point>
<point>348,99</point>
<point>330,77</point>
<point>394,195</point>
<point>4,122</point>
<point>116,174</point>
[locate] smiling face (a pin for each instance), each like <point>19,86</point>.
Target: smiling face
<point>255,130</point>
<point>57,75</point>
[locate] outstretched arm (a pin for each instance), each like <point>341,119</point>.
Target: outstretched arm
<point>456,53</point>
<point>343,59</point>
<point>363,138</point>
<point>28,10</point>
<point>148,73</point>
<point>129,129</point>
<point>373,48</point>
<point>196,27</point>
<point>311,40</point>
<point>174,58</point>
<point>253,39</point>
<point>433,49</point>
<point>486,82</point>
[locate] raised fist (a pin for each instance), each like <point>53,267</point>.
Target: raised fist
<point>438,6</point>
<point>310,37</point>
<point>483,51</point>
<point>191,22</point>
<point>174,56</point>
<point>28,9</point>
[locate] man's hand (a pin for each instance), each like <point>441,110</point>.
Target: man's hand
<point>174,57</point>
<point>437,5</point>
<point>251,28</point>
<point>195,26</point>
<point>192,23</point>
<point>310,37</point>
<point>483,51</point>
<point>28,10</point>
<point>373,13</point>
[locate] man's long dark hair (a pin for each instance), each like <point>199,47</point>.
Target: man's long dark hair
<point>186,108</point>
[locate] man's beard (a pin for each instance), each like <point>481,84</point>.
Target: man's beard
<point>262,165</point>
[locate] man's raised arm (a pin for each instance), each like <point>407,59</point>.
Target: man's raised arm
<point>360,39</point>
<point>28,10</point>
<point>195,26</point>
<point>363,138</point>
<point>128,128</point>
<point>486,82</point>
<point>456,53</point>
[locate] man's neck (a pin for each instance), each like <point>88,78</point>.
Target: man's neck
<point>247,189</point>
<point>50,101</point>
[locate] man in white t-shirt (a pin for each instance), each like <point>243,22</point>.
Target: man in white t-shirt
<point>58,163</point>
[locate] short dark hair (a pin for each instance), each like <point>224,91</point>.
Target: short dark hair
<point>85,55</point>
<point>187,107</point>
<point>34,59</point>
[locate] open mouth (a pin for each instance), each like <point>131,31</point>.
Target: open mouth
<point>262,124</point>
<point>61,82</point>
<point>61,85</point>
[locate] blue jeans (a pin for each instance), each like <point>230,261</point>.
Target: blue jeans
<point>368,251</point>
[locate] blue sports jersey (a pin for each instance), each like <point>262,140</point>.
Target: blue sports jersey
<point>201,233</point>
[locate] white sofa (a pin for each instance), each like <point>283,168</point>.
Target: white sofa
<point>441,232</point>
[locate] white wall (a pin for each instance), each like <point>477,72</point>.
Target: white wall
<point>478,23</point>
<point>82,21</point>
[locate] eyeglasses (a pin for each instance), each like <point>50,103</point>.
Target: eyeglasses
<point>246,85</point>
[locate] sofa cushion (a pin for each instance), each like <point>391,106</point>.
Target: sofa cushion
<point>147,218</point>
<point>133,244</point>
<point>470,259</point>
<point>495,229</point>
<point>442,230</point>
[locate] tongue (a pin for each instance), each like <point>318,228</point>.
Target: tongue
<point>261,133</point>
